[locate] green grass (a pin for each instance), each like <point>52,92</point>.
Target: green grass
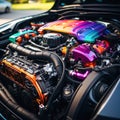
<point>33,6</point>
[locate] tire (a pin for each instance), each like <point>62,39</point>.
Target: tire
<point>7,10</point>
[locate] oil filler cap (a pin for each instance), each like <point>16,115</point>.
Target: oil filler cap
<point>52,39</point>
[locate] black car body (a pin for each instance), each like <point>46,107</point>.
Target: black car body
<point>63,64</point>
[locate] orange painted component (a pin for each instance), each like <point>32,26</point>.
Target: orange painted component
<point>90,64</point>
<point>19,40</point>
<point>27,36</point>
<point>102,46</point>
<point>18,75</point>
<point>41,32</point>
<point>64,50</point>
<point>33,34</point>
<point>37,24</point>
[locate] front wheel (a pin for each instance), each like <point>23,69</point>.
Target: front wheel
<point>7,10</point>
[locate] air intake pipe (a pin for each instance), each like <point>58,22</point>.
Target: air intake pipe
<point>39,55</point>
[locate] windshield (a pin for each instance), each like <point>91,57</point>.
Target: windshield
<point>67,2</point>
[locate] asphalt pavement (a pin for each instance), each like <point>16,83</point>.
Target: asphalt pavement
<point>14,14</point>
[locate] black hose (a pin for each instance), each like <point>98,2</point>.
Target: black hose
<point>115,54</point>
<point>46,48</point>
<point>7,99</point>
<point>6,92</point>
<point>82,68</point>
<point>58,87</point>
<point>114,66</point>
<point>39,55</point>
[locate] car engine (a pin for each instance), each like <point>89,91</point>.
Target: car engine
<point>44,64</point>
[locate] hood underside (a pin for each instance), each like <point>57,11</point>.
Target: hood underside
<point>62,3</point>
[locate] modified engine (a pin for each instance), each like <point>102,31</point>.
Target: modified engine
<point>45,63</point>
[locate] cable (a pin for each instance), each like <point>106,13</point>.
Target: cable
<point>47,48</point>
<point>106,68</point>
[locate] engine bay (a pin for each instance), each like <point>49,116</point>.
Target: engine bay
<point>44,63</point>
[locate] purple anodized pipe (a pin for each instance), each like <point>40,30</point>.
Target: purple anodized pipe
<point>79,75</point>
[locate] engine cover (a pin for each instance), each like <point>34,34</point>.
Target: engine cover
<point>85,31</point>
